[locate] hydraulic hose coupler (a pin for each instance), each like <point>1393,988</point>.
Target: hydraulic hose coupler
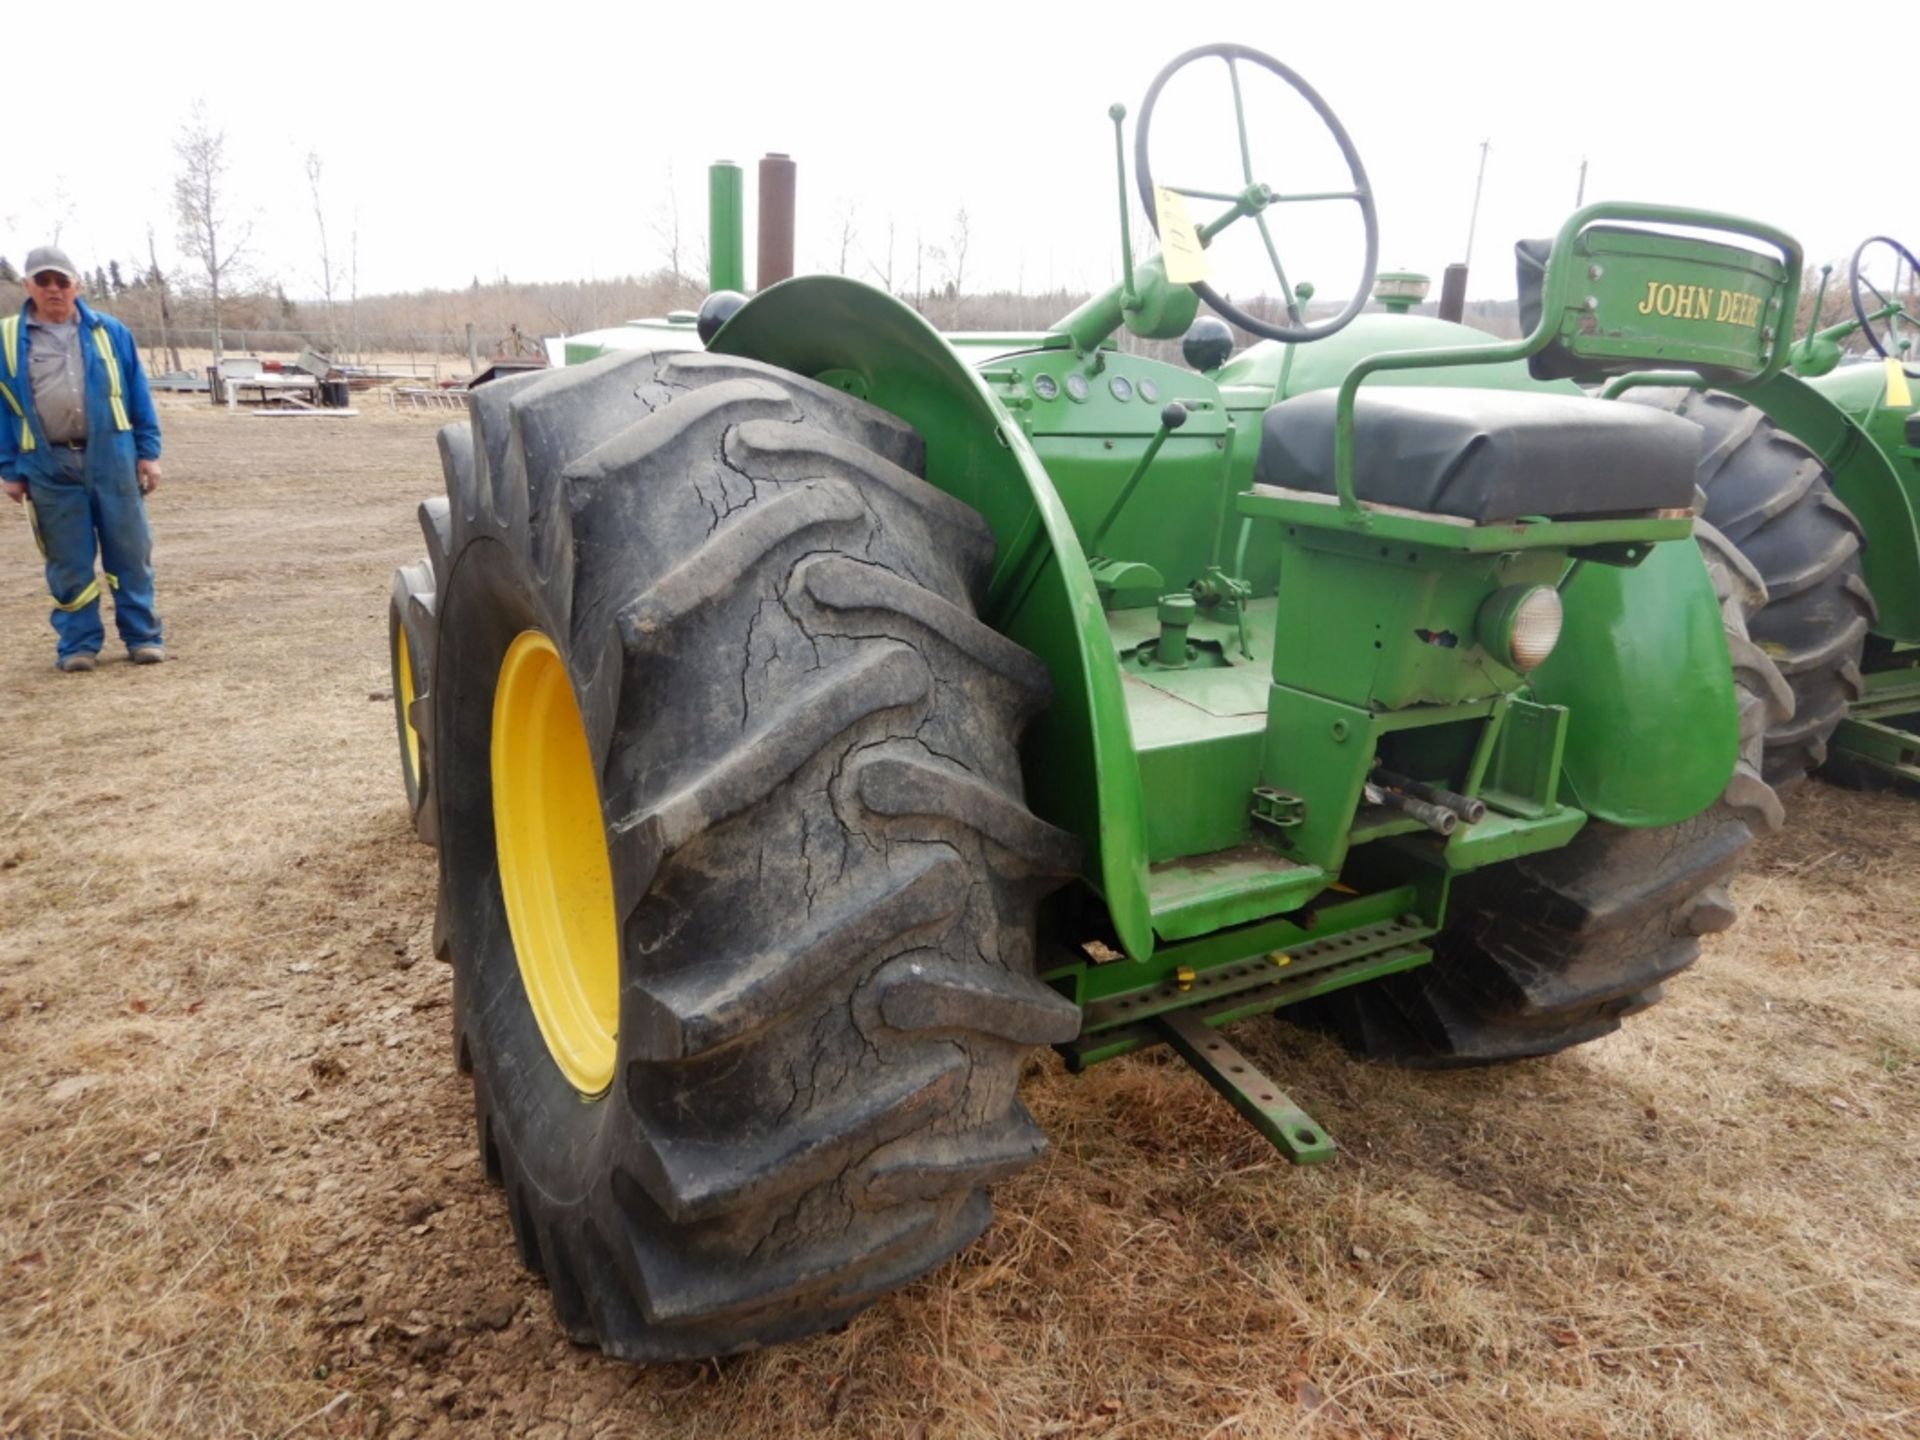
<point>1470,809</point>
<point>1436,818</point>
<point>1176,614</point>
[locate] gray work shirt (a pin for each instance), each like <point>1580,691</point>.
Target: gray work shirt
<point>58,377</point>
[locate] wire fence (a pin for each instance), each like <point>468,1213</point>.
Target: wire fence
<point>341,346</point>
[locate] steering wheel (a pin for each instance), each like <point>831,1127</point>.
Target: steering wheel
<point>1890,347</point>
<point>1255,199</point>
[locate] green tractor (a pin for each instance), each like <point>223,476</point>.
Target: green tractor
<point>813,722</point>
<point>1814,474</point>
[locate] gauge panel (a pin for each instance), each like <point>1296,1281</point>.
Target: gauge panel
<point>1114,395</point>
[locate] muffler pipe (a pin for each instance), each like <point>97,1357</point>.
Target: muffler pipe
<point>776,219</point>
<point>1453,293</point>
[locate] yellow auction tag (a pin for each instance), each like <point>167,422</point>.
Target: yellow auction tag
<point>1899,395</point>
<point>1179,242</point>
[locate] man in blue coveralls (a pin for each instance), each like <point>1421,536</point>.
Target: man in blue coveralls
<point>80,444</point>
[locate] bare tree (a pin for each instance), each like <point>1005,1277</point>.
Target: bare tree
<point>849,222</point>
<point>158,279</point>
<point>328,275</point>
<point>666,225</point>
<point>208,231</point>
<point>884,274</point>
<point>953,260</point>
<point>353,291</point>
<point>61,209</point>
<point>575,306</point>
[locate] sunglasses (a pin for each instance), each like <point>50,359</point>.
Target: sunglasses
<point>52,280</point>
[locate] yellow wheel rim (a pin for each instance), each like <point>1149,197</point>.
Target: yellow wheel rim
<point>554,872</point>
<point>403,679</point>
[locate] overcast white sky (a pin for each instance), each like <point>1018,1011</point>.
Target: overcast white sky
<point>535,141</point>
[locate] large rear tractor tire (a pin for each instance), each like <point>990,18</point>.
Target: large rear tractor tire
<point>1773,499</point>
<point>1553,950</point>
<point>738,881</point>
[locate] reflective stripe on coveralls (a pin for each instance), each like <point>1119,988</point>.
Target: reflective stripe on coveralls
<point>114,391</point>
<point>10,351</point>
<point>88,595</point>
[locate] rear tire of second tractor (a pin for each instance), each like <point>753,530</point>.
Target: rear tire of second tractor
<point>1773,499</point>
<point>1554,950</point>
<point>738,882</point>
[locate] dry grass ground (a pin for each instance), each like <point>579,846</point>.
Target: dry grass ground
<point>239,1195</point>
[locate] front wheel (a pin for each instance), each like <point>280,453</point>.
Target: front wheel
<point>739,882</point>
<point>410,644</point>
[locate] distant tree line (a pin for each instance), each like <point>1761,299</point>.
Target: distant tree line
<point>511,316</point>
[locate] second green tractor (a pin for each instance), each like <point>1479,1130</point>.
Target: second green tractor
<point>1814,473</point>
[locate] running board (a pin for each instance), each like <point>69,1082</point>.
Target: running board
<point>1122,1023</point>
<point>1882,728</point>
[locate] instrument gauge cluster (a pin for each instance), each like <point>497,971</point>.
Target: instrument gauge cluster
<point>1107,395</point>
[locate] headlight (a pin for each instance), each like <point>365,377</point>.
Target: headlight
<point>1520,625</point>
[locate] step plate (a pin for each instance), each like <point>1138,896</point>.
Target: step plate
<point>1280,967</point>
<point>1225,995</point>
<point>1890,749</point>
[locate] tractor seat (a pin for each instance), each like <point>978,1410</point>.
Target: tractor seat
<point>1487,456</point>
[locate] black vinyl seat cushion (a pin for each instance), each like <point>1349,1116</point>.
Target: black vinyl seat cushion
<point>1487,455</point>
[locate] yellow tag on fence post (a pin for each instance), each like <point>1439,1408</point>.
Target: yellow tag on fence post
<point>1180,248</point>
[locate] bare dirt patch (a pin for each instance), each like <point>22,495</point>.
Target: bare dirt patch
<point>240,1195</point>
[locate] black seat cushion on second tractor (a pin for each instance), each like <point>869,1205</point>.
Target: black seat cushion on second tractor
<point>1487,455</point>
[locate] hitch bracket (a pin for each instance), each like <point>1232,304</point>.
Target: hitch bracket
<point>1267,1107</point>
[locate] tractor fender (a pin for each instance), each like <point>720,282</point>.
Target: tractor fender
<point>1820,416</point>
<point>1653,723</point>
<point>1081,773</point>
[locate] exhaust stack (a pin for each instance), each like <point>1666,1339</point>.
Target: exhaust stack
<point>776,219</point>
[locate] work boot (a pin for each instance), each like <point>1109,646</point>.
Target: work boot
<point>145,655</point>
<point>79,660</point>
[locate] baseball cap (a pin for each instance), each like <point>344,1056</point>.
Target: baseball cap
<point>50,257</point>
